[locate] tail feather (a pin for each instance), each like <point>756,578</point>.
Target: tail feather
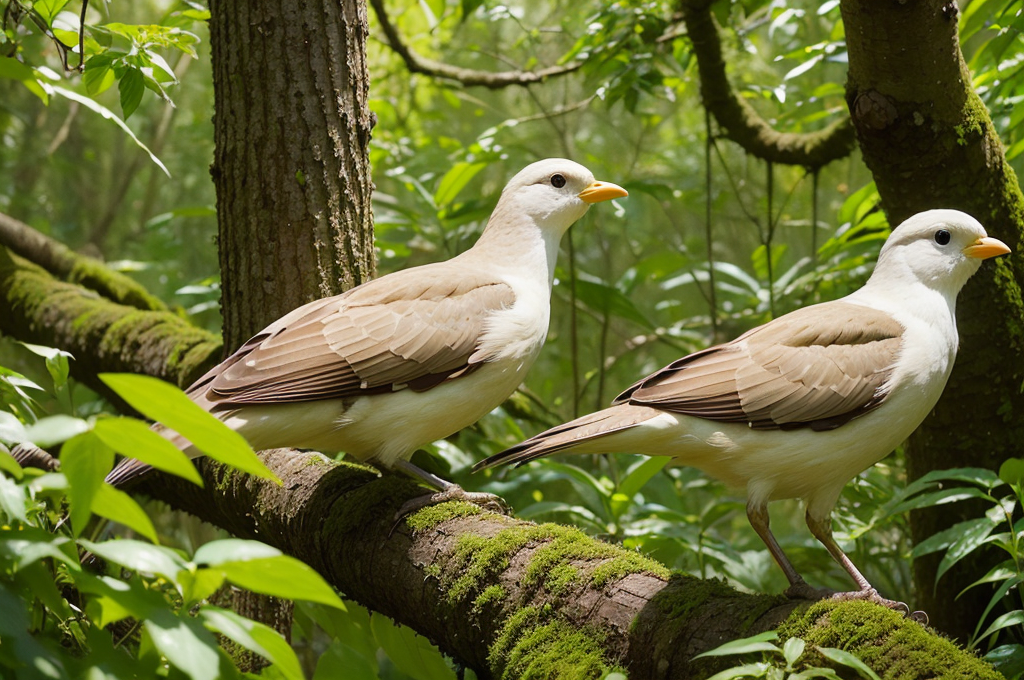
<point>572,434</point>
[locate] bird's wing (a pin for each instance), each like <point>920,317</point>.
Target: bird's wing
<point>817,367</point>
<point>400,331</point>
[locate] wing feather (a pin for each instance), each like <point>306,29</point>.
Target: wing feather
<point>818,367</point>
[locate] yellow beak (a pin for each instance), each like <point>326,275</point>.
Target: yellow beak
<point>602,191</point>
<point>986,247</point>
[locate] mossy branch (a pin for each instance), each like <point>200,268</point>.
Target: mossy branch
<point>739,120</point>
<point>66,264</point>
<point>102,335</point>
<point>512,599</point>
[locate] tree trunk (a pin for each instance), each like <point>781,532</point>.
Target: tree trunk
<point>291,169</point>
<point>929,142</point>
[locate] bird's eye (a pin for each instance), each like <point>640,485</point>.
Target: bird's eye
<point>557,181</point>
<point>942,237</point>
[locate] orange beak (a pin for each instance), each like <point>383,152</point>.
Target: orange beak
<point>602,191</point>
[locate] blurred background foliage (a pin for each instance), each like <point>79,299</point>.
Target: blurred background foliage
<point>710,242</point>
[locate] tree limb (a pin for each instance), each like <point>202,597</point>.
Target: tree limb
<point>739,120</point>
<point>101,335</point>
<point>64,263</point>
<point>510,598</point>
<point>468,77</point>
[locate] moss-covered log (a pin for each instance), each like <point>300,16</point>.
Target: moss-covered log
<point>103,336</point>
<point>66,264</point>
<point>512,599</point>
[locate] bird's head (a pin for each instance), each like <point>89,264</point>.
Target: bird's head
<point>940,248</point>
<point>554,193</point>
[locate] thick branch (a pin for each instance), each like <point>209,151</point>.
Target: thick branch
<point>740,122</point>
<point>102,335</point>
<point>502,595</point>
<point>466,76</point>
<point>64,263</point>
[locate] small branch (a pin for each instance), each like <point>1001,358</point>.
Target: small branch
<point>468,77</point>
<point>64,263</point>
<point>739,121</point>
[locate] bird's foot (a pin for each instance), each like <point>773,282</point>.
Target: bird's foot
<point>871,595</point>
<point>454,492</point>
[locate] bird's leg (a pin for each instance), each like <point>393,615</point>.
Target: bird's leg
<point>446,491</point>
<point>757,514</point>
<point>821,528</point>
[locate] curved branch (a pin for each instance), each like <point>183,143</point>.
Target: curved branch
<point>739,120</point>
<point>101,335</point>
<point>466,76</point>
<point>61,261</point>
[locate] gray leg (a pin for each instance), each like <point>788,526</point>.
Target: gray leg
<point>757,514</point>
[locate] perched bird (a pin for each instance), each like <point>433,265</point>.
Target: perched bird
<point>799,406</point>
<point>411,357</point>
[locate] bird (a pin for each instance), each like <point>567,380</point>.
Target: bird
<point>797,407</point>
<point>411,357</point>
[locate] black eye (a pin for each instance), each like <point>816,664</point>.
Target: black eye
<point>942,237</point>
<point>557,181</point>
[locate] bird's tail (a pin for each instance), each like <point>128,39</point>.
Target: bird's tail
<point>580,435</point>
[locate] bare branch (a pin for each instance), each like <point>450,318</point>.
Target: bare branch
<point>738,119</point>
<point>466,76</point>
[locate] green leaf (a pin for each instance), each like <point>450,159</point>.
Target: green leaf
<point>1014,618</point>
<point>750,670</point>
<point>98,75</point>
<point>263,569</point>
<point>454,181</point>
<point>793,650</point>
<point>117,506</point>
<point>109,115</point>
<point>756,643</point>
<point>946,538</point>
<point>254,636</point>
<point>608,300</point>
<point>844,658</point>
<point>341,661</point>
<point>85,461</point>
<point>56,362</point>
<point>12,69</point>
<point>411,653</point>
<point>185,643</point>
<point>21,547</point>
<point>131,87</point>
<point>139,556</point>
<point>928,500</point>
<point>641,474</point>
<point>9,465</point>
<point>167,404</point>
<point>12,430</point>
<point>1012,471</point>
<point>135,439</point>
<point>971,538</point>
<point>48,9</point>
<point>54,430</point>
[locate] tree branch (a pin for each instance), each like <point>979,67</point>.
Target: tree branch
<point>503,595</point>
<point>466,76</point>
<point>61,261</point>
<point>100,334</point>
<point>739,120</point>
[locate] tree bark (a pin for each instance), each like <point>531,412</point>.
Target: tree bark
<point>929,142</point>
<point>291,169</point>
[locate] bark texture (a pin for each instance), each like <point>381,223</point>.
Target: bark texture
<point>512,599</point>
<point>291,169</point>
<point>929,142</point>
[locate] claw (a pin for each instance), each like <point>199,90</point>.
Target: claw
<point>920,617</point>
<point>487,501</point>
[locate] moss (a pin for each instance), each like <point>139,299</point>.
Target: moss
<point>113,285</point>
<point>432,515</point>
<point>491,595</point>
<point>885,640</point>
<point>530,647</point>
<point>477,558</point>
<point>560,577</point>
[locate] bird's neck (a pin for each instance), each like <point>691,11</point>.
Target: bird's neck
<point>519,244</point>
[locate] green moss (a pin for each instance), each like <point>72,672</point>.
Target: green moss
<point>432,515</point>
<point>560,577</point>
<point>885,640</point>
<point>529,647</point>
<point>491,595</point>
<point>477,558</point>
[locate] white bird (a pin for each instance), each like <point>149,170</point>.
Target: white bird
<point>799,406</point>
<point>411,357</point>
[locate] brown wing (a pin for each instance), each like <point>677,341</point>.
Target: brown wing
<point>412,329</point>
<point>817,367</point>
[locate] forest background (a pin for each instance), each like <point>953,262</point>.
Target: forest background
<point>722,231</point>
